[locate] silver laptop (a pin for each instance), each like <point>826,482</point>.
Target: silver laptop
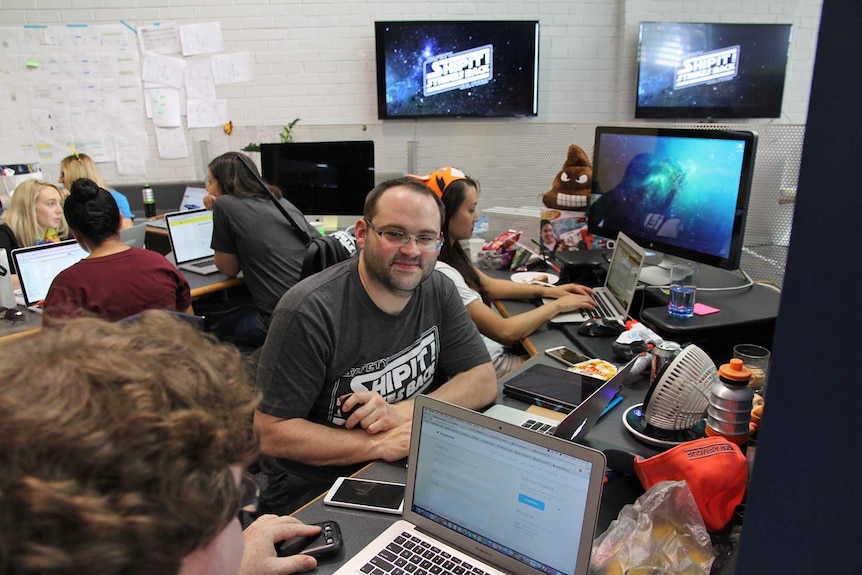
<point>38,266</point>
<point>614,299</point>
<point>579,422</point>
<point>491,498</point>
<point>193,199</point>
<point>190,234</point>
<point>134,236</point>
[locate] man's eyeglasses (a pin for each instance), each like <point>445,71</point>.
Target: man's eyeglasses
<point>11,314</point>
<point>397,239</point>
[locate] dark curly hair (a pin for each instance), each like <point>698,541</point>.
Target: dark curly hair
<point>117,443</point>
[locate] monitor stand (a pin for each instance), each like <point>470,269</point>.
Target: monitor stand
<point>658,274</point>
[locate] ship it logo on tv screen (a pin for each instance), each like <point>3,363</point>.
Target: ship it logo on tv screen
<point>458,70</point>
<point>708,67</point>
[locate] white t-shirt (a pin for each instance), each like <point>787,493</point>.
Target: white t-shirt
<point>468,296</point>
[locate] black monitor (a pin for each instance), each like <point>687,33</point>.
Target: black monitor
<point>682,192</point>
<point>475,68</point>
<point>321,178</point>
<point>711,70</point>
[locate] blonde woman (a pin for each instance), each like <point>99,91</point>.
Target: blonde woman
<point>82,166</point>
<point>35,216</point>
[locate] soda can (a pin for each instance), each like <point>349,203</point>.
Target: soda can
<point>662,354</point>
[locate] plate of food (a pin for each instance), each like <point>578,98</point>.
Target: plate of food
<point>597,368</point>
<point>535,278</point>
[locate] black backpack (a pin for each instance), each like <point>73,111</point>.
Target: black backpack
<point>324,251</point>
<point>320,251</point>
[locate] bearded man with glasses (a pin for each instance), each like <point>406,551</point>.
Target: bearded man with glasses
<point>350,347</point>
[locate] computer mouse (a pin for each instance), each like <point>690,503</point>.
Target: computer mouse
<point>600,327</point>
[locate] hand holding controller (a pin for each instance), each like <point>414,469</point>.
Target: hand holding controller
<point>327,543</point>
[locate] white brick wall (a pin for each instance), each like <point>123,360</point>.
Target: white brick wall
<point>314,59</point>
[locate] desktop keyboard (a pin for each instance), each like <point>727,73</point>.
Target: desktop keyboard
<point>408,554</point>
<point>540,427</point>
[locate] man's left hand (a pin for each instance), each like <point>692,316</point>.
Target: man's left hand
<point>374,414</point>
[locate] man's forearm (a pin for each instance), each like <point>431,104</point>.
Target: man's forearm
<point>315,444</point>
<point>473,389</point>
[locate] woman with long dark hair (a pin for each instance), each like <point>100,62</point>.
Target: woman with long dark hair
<point>460,195</point>
<point>251,235</point>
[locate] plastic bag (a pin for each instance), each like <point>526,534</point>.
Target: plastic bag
<point>663,528</point>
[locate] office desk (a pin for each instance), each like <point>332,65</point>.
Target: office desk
<point>32,323</point>
<point>746,316</point>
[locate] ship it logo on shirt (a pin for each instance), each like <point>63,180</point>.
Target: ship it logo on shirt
<point>405,374</point>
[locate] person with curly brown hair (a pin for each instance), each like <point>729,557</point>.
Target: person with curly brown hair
<point>121,451</point>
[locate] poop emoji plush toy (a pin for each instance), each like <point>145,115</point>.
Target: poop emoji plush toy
<point>571,187</point>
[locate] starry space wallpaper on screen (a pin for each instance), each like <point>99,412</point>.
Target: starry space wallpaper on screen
<point>466,69</point>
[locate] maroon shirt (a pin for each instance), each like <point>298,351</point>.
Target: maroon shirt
<point>118,286</point>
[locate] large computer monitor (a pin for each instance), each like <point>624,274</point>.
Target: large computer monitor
<point>321,178</point>
<point>681,192</point>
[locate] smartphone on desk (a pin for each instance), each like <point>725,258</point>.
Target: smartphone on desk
<point>367,494</point>
<point>566,356</point>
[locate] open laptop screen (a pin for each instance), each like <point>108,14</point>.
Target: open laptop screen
<point>190,234</point>
<point>623,272</point>
<point>38,266</point>
<point>193,199</point>
<point>533,500</point>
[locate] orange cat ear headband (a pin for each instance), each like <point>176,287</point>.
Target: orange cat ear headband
<point>439,180</point>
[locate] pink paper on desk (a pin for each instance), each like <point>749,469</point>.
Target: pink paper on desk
<point>703,309</point>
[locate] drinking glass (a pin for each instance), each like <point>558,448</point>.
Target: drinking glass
<point>683,288</point>
<point>755,358</point>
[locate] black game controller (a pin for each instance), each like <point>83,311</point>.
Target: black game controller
<point>326,543</point>
<point>347,414</point>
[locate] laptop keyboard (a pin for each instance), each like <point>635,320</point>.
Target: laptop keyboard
<point>408,554</point>
<point>203,264</point>
<point>603,308</point>
<point>534,425</point>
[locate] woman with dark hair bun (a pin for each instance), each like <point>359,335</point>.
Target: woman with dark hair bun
<point>115,281</point>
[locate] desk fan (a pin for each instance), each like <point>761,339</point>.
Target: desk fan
<point>673,409</point>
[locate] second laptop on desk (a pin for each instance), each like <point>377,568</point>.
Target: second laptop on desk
<point>37,267</point>
<point>534,380</point>
<point>190,234</point>
<point>614,299</point>
<point>193,199</point>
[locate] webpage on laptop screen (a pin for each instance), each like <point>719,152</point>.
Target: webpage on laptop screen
<point>623,275</point>
<point>513,496</point>
<point>191,236</point>
<point>39,268</point>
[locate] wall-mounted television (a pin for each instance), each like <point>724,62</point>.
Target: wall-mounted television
<point>711,71</point>
<point>321,178</point>
<point>457,69</point>
<point>682,192</point>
